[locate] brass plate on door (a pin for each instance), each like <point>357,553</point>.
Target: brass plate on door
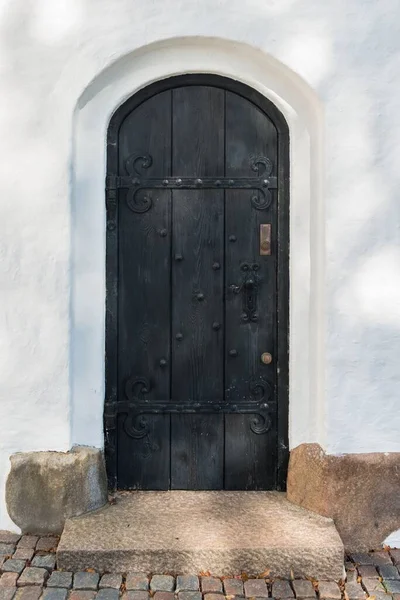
<point>265,239</point>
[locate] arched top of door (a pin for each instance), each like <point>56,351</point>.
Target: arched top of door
<point>200,79</point>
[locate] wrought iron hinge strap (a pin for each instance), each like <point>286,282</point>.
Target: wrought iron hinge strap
<point>140,203</point>
<point>191,183</point>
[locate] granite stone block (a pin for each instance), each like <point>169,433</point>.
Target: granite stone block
<point>111,580</point>
<point>15,565</point>
<point>187,583</point>
<point>60,579</point>
<point>46,561</point>
<point>211,585</point>
<point>32,576</point>
<point>137,582</point>
<point>107,594</point>
<point>162,583</point>
<point>55,594</point>
<point>86,581</point>
<point>255,587</point>
<point>7,593</point>
<point>233,587</point>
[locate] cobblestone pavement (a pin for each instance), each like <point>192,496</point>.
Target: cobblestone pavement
<point>28,572</point>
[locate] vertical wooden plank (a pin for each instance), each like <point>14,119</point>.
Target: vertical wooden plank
<point>144,293</point>
<point>283,219</point>
<point>111,317</point>
<point>197,282</point>
<point>250,458</point>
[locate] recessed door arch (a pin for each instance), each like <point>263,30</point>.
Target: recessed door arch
<point>197,288</point>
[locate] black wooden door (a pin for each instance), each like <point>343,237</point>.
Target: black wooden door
<point>197,289</point>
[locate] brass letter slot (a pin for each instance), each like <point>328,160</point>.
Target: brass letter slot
<point>265,239</point>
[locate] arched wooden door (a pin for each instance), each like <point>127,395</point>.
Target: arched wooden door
<point>197,289</point>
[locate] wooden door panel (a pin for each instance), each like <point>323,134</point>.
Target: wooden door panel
<point>197,288</point>
<point>250,136</point>
<point>144,295</point>
<point>195,167</point>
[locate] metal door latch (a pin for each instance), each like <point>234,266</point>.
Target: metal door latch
<point>249,289</point>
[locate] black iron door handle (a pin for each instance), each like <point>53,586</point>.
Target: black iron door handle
<point>249,290</point>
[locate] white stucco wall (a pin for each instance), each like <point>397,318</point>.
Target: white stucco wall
<point>333,70</point>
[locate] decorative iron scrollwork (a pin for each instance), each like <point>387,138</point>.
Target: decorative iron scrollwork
<point>266,198</point>
<point>138,407</point>
<point>140,201</point>
<point>136,425</point>
<point>261,422</point>
<point>131,164</point>
<point>135,387</point>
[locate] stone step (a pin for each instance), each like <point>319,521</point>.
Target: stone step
<point>220,532</point>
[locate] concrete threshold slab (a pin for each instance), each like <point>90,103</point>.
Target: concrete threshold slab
<point>221,532</point>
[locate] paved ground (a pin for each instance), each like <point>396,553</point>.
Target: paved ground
<point>28,571</point>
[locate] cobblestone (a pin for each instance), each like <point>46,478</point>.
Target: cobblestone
<point>303,589</point>
<point>187,583</point>
<point>329,590</point>
<point>32,576</point>
<point>7,593</point>
<point>6,537</point>
<point>211,585</point>
<point>15,565</point>
<point>7,549</point>
<point>392,586</point>
<point>162,583</point>
<point>189,595</point>
<point>46,561</point>
<point>60,579</point>
<point>389,572</point>
<point>55,594</point>
<point>8,580</point>
<point>48,543</point>
<point>233,587</point>
<point>28,541</point>
<point>381,558</point>
<point>28,593</point>
<point>136,595</point>
<point>86,581</point>
<point>137,582</point>
<point>111,580</point>
<point>108,594</point>
<point>160,595</point>
<point>281,590</point>
<point>213,596</point>
<point>368,571</point>
<point>255,587</point>
<point>81,595</point>
<point>372,586</point>
<point>384,596</point>
<point>352,577</point>
<point>3,559</point>
<point>362,558</point>
<point>24,553</point>
<point>395,554</point>
<point>355,591</point>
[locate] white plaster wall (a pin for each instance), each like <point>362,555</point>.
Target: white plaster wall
<point>333,69</point>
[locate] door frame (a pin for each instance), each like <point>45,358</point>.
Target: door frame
<point>282,320</point>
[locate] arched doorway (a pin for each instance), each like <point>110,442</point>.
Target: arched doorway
<point>197,288</point>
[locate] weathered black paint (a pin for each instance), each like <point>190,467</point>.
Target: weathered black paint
<point>195,164</point>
